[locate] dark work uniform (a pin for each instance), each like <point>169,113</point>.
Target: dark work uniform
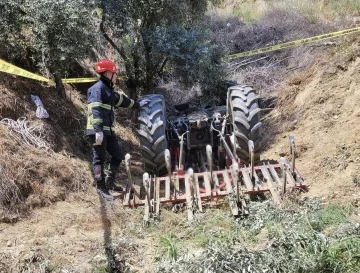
<point>102,99</point>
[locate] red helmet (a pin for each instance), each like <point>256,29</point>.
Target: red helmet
<point>105,65</point>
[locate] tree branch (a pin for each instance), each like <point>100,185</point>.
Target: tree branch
<point>159,68</point>
<point>112,43</point>
<point>163,65</point>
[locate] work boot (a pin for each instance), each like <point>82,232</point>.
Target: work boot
<point>105,194</point>
<point>110,185</point>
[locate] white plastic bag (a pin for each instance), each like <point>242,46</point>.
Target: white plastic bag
<point>40,111</point>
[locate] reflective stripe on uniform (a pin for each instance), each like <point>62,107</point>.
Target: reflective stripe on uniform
<point>91,127</point>
<point>120,100</point>
<point>99,104</point>
<point>97,120</point>
<point>131,104</point>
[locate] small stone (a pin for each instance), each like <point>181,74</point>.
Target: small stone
<point>9,244</point>
<point>335,117</point>
<point>80,249</point>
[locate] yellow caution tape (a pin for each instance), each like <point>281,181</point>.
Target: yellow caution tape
<point>12,69</point>
<point>79,80</point>
<point>291,44</point>
<point>84,80</point>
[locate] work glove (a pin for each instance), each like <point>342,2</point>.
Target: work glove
<point>99,136</point>
<point>144,102</point>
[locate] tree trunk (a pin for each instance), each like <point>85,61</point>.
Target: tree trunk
<point>59,86</point>
<point>148,70</point>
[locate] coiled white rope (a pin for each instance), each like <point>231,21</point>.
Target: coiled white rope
<point>31,135</point>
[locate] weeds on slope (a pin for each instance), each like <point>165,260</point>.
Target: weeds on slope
<point>307,238</point>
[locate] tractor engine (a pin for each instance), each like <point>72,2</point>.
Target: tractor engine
<point>195,127</point>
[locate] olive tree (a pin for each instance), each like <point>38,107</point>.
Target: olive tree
<point>158,36</point>
<point>61,33</point>
<point>11,25</point>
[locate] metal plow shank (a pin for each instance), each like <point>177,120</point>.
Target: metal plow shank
<point>194,188</point>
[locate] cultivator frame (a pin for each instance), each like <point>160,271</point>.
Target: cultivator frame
<point>234,182</point>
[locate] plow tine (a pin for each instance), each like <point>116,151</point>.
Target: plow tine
<point>247,180</point>
<point>257,181</point>
<point>283,170</point>
<point>168,167</point>
<point>209,159</point>
<point>251,154</point>
<point>157,196</point>
<point>234,168</point>
<point>197,192</point>
<point>270,183</point>
<point>244,207</point>
<point>287,175</point>
<point>231,194</point>
<point>189,194</point>
<point>292,152</point>
<point>287,172</point>
<point>177,187</point>
<point>167,188</point>
<point>216,182</point>
<point>274,174</point>
<point>207,176</point>
<point>129,184</point>
<point>146,184</point>
<point>240,201</point>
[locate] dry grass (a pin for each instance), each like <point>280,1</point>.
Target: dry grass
<point>331,10</point>
<point>32,178</point>
<point>267,71</point>
<point>175,93</point>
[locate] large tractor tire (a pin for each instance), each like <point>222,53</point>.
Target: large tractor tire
<point>151,128</point>
<point>244,112</point>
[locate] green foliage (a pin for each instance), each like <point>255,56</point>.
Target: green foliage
<point>331,215</point>
<point>345,7</point>
<point>61,33</point>
<point>246,12</point>
<point>170,243</point>
<point>291,246</point>
<point>157,37</point>
<point>343,256</point>
<point>11,27</point>
<point>101,269</point>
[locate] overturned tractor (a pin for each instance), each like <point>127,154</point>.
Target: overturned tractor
<point>193,153</point>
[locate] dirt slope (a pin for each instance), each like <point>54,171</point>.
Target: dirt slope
<point>320,107</point>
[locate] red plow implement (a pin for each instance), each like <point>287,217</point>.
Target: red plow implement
<point>233,182</point>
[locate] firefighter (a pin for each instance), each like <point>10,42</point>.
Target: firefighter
<point>102,99</point>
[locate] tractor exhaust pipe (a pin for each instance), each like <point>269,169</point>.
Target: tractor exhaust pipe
<point>181,152</point>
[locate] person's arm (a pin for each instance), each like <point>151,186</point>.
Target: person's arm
<point>121,100</point>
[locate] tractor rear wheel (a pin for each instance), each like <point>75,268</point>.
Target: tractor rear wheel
<point>151,128</point>
<point>244,112</point>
